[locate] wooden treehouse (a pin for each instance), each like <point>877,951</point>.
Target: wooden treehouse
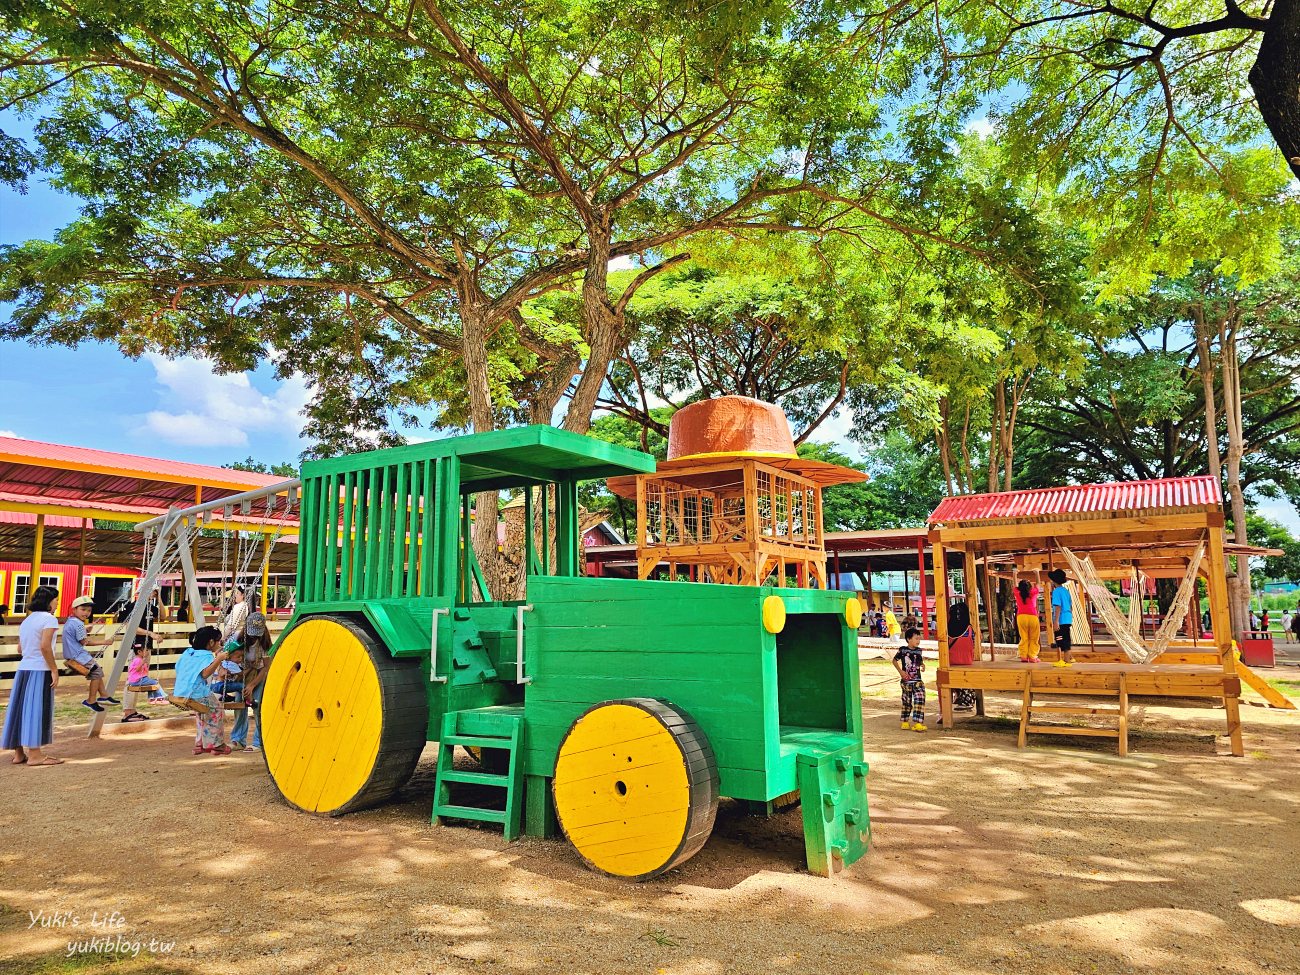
<point>733,503</point>
<point>1170,528</point>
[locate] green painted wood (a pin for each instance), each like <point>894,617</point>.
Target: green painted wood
<point>833,794</point>
<point>546,529</point>
<point>810,665</point>
<point>361,527</point>
<point>308,547</point>
<point>345,549</point>
<point>386,510</point>
<point>448,529</point>
<point>530,548</point>
<point>330,590</point>
<point>430,543</point>
<point>455,731</point>
<point>540,819</point>
<point>410,582</point>
<point>534,452</point>
<point>465,547</point>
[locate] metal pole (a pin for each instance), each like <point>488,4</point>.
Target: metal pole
<point>282,487</point>
<point>192,593</point>
<point>137,614</point>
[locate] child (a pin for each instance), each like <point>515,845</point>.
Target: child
<point>75,656</point>
<point>138,681</point>
<point>1027,620</point>
<point>909,663</point>
<point>196,667</point>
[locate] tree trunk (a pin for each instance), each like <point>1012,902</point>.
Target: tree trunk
<point>945,445</point>
<point>603,330</point>
<point>482,420</point>
<point>995,433</point>
<point>1239,585</point>
<point>1275,79</point>
<point>1205,363</point>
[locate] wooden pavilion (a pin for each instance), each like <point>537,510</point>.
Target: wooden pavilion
<point>1160,527</point>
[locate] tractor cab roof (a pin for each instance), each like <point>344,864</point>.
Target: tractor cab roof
<point>506,458</point>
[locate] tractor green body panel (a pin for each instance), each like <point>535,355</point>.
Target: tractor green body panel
<point>759,697</point>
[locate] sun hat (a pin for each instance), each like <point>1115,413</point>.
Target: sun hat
<point>83,601</point>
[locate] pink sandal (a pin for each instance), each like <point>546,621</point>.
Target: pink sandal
<point>221,750</point>
<point>200,750</point>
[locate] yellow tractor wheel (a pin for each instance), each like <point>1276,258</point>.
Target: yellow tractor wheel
<point>343,723</point>
<point>636,787</point>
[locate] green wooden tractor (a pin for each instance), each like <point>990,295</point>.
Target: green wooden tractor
<point>620,709</point>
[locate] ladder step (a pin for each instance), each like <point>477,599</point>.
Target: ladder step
<point>469,812</point>
<point>1065,729</point>
<point>477,778</point>
<point>476,741</point>
<point>1072,709</point>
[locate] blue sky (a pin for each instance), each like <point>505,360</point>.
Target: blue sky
<point>93,396</point>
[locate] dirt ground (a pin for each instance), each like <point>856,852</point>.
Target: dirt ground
<point>1062,858</point>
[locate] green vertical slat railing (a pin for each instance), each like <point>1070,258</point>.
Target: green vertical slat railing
<point>412,586</point>
<point>448,526</point>
<point>308,543</point>
<point>360,523</point>
<point>372,534</point>
<point>385,534</point>
<point>464,549</point>
<point>546,529</point>
<point>345,548</point>
<point>401,516</point>
<point>530,542</point>
<point>331,533</point>
<point>429,542</point>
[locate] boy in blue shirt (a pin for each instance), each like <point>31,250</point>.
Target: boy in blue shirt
<point>1062,613</point>
<point>76,656</point>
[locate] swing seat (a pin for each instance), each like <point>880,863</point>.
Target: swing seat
<point>189,704</point>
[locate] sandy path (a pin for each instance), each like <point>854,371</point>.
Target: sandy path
<point>986,859</point>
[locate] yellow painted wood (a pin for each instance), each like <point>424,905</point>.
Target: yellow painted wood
<point>774,614</point>
<point>1272,695</point>
<point>322,716</point>
<point>622,792</point>
<point>853,613</point>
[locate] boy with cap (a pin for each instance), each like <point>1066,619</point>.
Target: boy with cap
<point>1062,614</point>
<point>75,655</point>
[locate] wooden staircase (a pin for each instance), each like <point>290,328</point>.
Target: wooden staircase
<point>1029,709</point>
<point>490,730</point>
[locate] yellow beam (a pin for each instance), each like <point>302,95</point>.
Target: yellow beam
<point>34,579</point>
<point>40,510</point>
<point>1158,526</point>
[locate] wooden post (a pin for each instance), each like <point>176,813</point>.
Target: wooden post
<point>920,586</point>
<point>871,593</point>
<point>837,570</point>
<point>940,563</point>
<point>972,595</point>
<point>1223,636</point>
<point>988,604</point>
<point>81,557</point>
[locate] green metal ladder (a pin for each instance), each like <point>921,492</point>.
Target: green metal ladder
<point>499,728</point>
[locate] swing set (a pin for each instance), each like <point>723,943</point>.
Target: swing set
<point>257,518</point>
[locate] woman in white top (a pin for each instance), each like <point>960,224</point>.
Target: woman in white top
<point>29,720</point>
<point>232,627</point>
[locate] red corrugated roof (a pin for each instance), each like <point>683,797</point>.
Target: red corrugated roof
<point>1077,499</point>
<point>88,458</point>
<point>108,482</point>
<point>27,518</point>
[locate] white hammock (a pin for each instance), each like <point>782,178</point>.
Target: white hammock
<point>1127,629</point>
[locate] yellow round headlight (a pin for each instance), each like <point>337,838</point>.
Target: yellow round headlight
<point>853,612</point>
<point>774,614</point>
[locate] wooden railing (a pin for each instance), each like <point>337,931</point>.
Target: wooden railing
<point>162,661</point>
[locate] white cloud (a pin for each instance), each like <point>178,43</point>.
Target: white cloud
<point>981,127</point>
<point>214,410</point>
<point>9,433</point>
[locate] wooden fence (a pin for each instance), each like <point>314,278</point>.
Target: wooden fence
<point>162,662</point>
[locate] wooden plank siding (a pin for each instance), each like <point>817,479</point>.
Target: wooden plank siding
<point>162,662</point>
